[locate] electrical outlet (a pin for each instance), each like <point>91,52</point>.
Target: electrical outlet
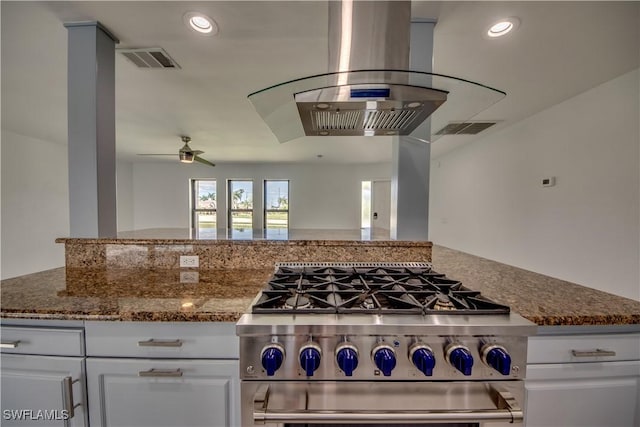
<point>189,261</point>
<point>189,277</point>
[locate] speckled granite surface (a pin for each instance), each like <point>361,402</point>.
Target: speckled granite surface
<point>217,254</point>
<point>129,294</point>
<point>541,299</point>
<point>223,295</point>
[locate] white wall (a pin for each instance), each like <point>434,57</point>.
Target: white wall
<point>124,188</point>
<point>35,204</point>
<point>321,195</point>
<point>487,198</point>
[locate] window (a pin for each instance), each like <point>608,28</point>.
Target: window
<point>203,208</point>
<point>276,208</point>
<point>240,202</point>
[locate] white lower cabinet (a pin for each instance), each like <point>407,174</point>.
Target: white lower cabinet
<point>163,393</point>
<point>595,382</point>
<point>42,390</point>
<point>155,374</point>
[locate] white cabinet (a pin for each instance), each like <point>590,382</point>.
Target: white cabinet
<point>40,389</point>
<point>583,381</point>
<point>163,393</point>
<point>156,374</point>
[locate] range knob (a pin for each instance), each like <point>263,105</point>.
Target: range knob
<point>460,358</point>
<point>310,355</point>
<point>384,358</point>
<point>497,357</point>
<point>423,358</point>
<point>272,356</point>
<point>347,358</point>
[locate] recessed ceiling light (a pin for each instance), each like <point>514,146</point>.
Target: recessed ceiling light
<point>201,23</point>
<point>503,27</point>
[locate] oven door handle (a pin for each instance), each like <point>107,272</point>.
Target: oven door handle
<point>507,410</point>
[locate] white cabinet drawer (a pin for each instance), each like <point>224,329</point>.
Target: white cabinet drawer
<point>583,348</point>
<point>210,340</point>
<point>49,341</point>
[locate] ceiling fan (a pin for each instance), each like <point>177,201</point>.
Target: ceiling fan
<point>186,154</point>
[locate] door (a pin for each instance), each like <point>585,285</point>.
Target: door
<point>381,205</point>
<point>42,390</point>
<point>163,393</point>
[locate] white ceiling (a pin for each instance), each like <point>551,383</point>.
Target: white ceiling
<point>561,49</point>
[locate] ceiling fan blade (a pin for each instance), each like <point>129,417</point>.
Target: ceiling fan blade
<point>196,152</point>
<point>157,154</point>
<point>203,161</point>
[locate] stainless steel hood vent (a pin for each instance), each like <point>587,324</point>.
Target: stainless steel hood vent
<point>342,111</point>
<point>369,90</point>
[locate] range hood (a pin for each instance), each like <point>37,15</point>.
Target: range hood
<point>369,89</point>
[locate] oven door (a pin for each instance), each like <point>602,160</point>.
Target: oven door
<point>328,403</point>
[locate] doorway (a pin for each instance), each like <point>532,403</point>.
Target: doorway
<point>376,206</point>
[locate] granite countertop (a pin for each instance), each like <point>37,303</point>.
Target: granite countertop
<point>132,294</point>
<point>225,294</point>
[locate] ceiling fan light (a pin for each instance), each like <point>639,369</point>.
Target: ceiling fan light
<point>186,156</point>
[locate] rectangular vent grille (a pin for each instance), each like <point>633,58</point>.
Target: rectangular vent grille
<point>465,128</point>
<point>389,120</point>
<point>343,120</point>
<point>155,58</point>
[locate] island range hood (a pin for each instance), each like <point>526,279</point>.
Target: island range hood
<point>369,89</point>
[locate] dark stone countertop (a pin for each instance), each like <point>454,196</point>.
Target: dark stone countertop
<point>225,294</point>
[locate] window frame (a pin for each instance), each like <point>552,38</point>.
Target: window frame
<point>264,202</point>
<point>194,203</point>
<point>230,209</point>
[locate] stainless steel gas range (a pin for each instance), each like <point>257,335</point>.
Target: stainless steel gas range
<point>387,343</point>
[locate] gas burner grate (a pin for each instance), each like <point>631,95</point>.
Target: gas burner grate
<point>392,288</point>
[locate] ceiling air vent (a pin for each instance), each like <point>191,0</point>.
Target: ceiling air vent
<point>464,128</point>
<point>154,57</point>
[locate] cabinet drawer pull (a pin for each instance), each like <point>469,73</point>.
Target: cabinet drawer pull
<point>160,343</point>
<point>9,344</point>
<point>161,373</point>
<point>67,383</point>
<point>593,353</point>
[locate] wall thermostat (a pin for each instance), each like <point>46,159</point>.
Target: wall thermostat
<point>549,182</point>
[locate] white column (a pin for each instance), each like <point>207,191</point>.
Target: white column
<point>91,128</point>
<point>410,161</point>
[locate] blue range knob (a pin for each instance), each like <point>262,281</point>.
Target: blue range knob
<point>385,359</point>
<point>272,358</point>
<point>460,357</point>
<point>423,359</point>
<point>310,358</point>
<point>497,357</point>
<point>347,359</point>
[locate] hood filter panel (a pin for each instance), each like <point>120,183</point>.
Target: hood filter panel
<point>340,120</point>
<point>388,110</point>
<point>393,120</point>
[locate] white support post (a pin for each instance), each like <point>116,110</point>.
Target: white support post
<point>91,128</point>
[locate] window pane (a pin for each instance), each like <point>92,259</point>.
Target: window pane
<point>276,195</point>
<point>277,220</point>
<point>205,191</point>
<point>206,225</point>
<point>241,194</point>
<point>241,225</point>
